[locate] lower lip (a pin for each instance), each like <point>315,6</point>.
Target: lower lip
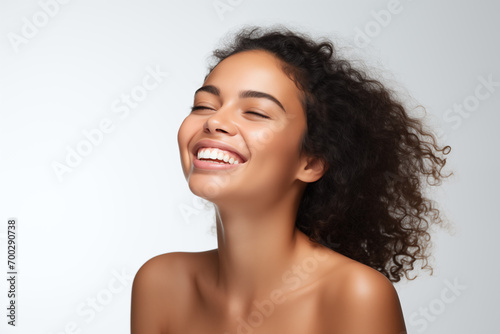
<point>204,164</point>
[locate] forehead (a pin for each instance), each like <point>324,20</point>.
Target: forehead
<point>254,70</point>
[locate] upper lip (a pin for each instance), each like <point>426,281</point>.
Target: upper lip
<point>215,144</point>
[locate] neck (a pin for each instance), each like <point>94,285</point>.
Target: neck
<point>255,249</point>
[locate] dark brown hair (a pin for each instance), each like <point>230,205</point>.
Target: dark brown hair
<point>370,204</point>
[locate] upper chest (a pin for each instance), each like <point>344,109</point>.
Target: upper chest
<point>293,312</point>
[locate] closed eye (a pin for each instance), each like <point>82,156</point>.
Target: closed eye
<point>200,108</point>
<point>257,114</point>
<point>194,108</point>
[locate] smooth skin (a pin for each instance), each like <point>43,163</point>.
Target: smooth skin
<point>266,276</point>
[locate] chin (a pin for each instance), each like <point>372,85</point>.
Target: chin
<point>205,187</point>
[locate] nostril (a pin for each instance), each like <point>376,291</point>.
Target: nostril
<point>216,125</point>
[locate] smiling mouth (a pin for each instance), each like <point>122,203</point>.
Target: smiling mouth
<point>217,156</point>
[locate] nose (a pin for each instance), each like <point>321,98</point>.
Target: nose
<point>220,121</point>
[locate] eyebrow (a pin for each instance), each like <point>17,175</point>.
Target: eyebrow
<point>244,94</point>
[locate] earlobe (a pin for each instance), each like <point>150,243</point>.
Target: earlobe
<point>312,169</point>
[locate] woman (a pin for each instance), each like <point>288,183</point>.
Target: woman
<point>316,172</point>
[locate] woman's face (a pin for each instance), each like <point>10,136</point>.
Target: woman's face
<point>242,139</point>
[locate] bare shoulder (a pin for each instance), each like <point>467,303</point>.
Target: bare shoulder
<point>169,264</point>
<point>172,268</point>
<point>158,286</point>
<point>359,299</point>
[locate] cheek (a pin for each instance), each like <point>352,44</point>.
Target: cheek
<point>284,150</point>
<point>277,152</point>
<point>184,135</point>
<point>181,134</point>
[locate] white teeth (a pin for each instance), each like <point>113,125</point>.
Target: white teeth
<point>216,154</point>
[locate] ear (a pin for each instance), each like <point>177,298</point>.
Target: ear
<point>311,169</point>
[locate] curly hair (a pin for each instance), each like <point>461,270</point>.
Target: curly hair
<point>370,204</point>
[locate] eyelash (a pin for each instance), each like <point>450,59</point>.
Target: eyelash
<point>256,113</point>
<point>247,112</point>
<point>199,108</point>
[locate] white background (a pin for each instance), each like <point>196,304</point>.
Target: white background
<point>127,200</point>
